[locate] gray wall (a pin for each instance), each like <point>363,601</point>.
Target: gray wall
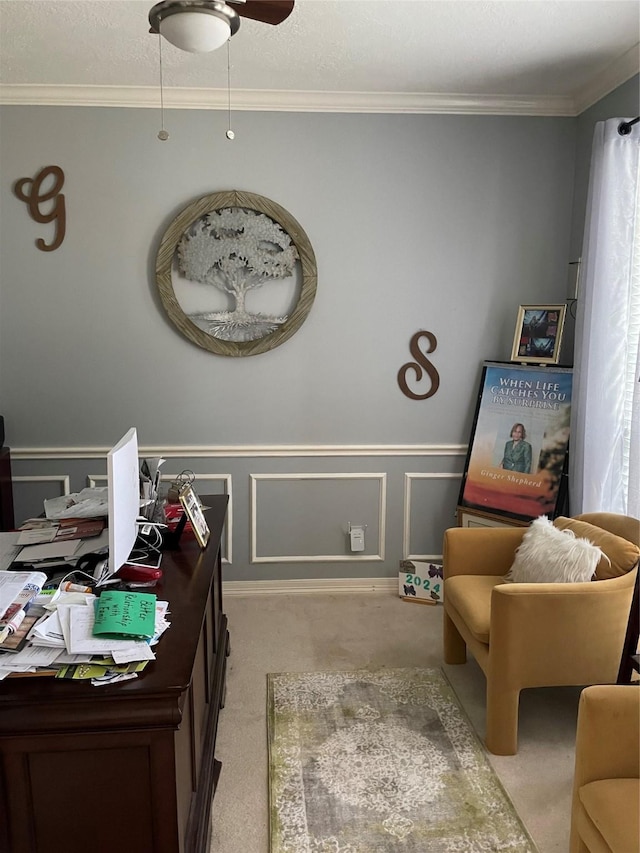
<point>436,222</point>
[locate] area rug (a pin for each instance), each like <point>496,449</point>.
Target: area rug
<point>381,762</point>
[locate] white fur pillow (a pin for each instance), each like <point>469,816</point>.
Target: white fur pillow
<point>549,555</point>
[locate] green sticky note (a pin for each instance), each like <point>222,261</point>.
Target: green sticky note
<point>125,615</point>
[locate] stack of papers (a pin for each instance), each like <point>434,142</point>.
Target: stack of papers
<point>46,544</point>
<point>63,639</point>
<point>48,551</point>
<point>88,503</point>
<point>36,530</point>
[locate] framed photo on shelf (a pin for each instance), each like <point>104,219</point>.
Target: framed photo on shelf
<point>193,511</point>
<point>538,334</point>
<point>518,452</point>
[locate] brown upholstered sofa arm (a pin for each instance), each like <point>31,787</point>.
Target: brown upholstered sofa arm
<point>474,551</point>
<point>604,808</point>
<point>541,633</point>
<point>608,735</point>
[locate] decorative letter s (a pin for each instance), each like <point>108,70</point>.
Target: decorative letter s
<point>28,190</point>
<point>421,361</point>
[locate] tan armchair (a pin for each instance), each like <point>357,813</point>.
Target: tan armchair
<point>531,634</point>
<point>605,812</point>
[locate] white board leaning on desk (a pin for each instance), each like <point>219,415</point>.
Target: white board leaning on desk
<point>123,479</point>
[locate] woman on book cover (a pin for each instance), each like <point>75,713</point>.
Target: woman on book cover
<point>517,452</point>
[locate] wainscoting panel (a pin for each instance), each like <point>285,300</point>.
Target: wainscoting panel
<point>33,489</point>
<point>290,505</point>
<point>428,502</point>
<point>292,512</point>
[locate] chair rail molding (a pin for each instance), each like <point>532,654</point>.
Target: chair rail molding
<point>239,451</point>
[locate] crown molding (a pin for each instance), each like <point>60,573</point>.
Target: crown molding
<point>272,100</point>
<point>614,75</point>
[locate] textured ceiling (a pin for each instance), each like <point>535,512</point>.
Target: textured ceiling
<point>460,47</point>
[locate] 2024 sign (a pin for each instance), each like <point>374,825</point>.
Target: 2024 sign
<point>420,582</point>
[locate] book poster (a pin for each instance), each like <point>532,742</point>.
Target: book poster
<point>520,440</point>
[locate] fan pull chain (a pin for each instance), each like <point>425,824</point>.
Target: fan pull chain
<point>230,134</point>
<point>162,134</point>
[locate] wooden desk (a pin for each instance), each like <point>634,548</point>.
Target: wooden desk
<point>126,768</point>
<point>6,490</point>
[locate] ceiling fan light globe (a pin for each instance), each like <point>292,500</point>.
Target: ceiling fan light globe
<point>195,32</point>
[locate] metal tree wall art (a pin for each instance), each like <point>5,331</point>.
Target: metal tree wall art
<point>236,250</point>
<point>216,254</point>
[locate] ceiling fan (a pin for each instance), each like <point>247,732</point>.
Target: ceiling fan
<point>200,26</point>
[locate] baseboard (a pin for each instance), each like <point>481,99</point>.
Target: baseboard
<point>307,586</point>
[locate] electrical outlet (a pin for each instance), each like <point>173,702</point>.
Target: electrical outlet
<point>356,537</point>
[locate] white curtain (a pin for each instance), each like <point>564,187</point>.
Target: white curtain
<point>605,423</point>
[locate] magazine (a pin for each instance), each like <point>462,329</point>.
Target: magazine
<point>18,617</point>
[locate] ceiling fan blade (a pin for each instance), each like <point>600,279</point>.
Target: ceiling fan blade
<point>267,11</point>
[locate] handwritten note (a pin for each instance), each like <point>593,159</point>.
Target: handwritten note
<point>125,615</point>
<point>81,637</point>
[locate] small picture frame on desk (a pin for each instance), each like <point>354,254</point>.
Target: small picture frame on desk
<point>193,511</point>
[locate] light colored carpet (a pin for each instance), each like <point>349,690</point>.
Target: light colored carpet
<point>361,761</point>
<point>306,633</point>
